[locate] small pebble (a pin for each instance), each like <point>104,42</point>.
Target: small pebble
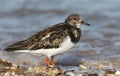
<point>117,73</point>
<point>93,74</point>
<point>82,67</point>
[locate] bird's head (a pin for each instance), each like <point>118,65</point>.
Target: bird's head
<point>75,20</point>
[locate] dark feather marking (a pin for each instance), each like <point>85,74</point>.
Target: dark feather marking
<point>75,34</point>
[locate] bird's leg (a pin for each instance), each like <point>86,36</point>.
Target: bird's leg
<point>53,64</point>
<point>47,62</point>
<point>52,61</point>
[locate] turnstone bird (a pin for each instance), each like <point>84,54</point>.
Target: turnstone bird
<point>53,40</point>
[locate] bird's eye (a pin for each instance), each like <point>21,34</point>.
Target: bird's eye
<point>75,18</point>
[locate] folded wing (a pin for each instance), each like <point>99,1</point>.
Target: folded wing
<point>48,38</point>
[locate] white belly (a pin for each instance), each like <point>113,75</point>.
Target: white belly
<point>65,46</point>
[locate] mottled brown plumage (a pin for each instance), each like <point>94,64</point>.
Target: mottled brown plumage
<point>51,41</point>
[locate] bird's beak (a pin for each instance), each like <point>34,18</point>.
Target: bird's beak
<point>85,23</point>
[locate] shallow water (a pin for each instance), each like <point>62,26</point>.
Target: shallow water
<point>19,19</point>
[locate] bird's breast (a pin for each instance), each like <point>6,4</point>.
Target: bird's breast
<point>75,34</point>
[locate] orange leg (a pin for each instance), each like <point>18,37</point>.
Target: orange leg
<point>47,62</point>
<point>52,61</point>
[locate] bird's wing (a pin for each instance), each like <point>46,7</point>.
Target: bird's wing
<point>21,45</point>
<point>48,38</point>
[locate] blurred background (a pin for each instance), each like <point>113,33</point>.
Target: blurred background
<point>19,19</point>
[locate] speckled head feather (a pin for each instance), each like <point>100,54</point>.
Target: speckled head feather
<point>75,20</point>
